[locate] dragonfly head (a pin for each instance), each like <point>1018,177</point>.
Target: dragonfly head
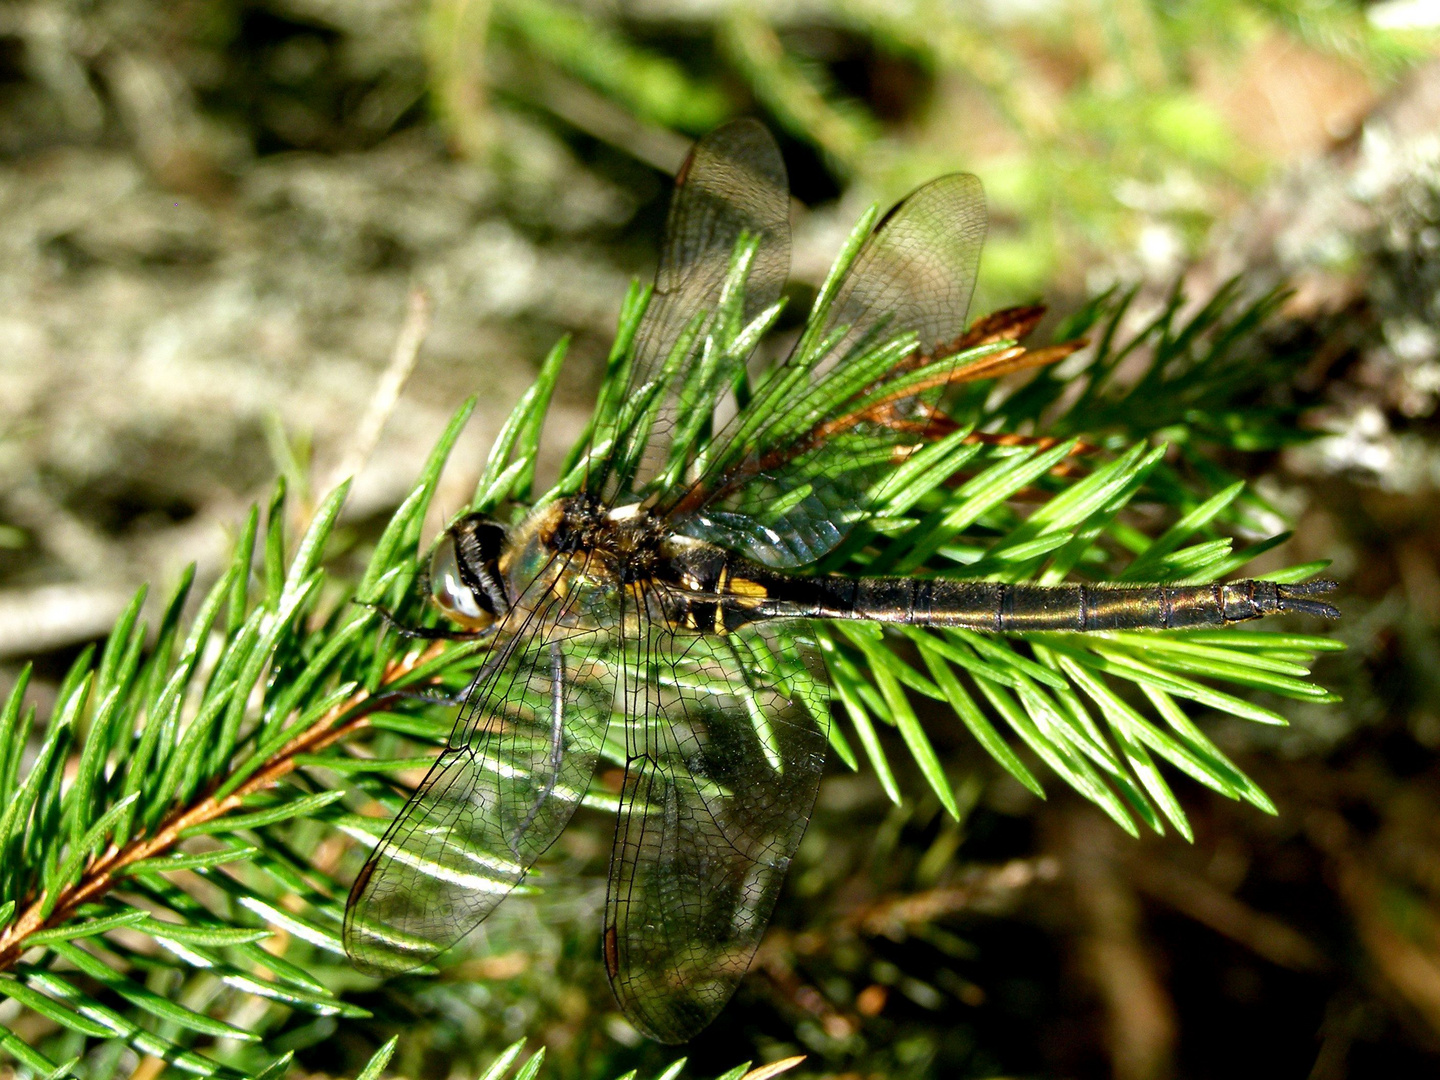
<point>465,579</point>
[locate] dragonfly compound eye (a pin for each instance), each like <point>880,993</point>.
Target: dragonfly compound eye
<point>465,582</point>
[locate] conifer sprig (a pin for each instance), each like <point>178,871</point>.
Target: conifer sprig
<point>171,829</point>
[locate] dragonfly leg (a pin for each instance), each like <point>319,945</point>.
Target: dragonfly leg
<point>423,633</point>
<point>557,745</point>
<point>433,696</point>
<point>429,695</point>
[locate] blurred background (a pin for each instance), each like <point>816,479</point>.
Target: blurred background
<point>213,213</point>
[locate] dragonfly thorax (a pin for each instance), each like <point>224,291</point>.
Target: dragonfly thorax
<point>623,542</point>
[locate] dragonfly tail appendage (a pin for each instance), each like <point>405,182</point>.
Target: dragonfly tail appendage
<point>1297,598</point>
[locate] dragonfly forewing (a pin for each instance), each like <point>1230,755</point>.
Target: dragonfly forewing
<point>493,802</point>
<point>733,184</point>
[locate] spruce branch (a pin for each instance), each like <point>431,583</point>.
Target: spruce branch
<point>220,753</point>
<point>215,732</point>
<point>221,798</point>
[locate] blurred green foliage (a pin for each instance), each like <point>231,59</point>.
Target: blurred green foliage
<point>1090,121</point>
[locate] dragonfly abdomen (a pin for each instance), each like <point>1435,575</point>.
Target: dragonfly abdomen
<point>715,591</point>
<point>1001,608</point>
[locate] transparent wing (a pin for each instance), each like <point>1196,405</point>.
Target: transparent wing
<point>733,184</point>
<point>726,744</point>
<point>511,777</point>
<point>789,476</point>
<point>917,271</point>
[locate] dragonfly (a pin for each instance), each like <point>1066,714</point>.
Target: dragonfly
<point>660,615</point>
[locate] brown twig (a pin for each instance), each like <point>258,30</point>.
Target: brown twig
<point>1007,324</point>
<point>1123,967</point>
<point>776,960</point>
<point>1195,896</point>
<point>106,868</point>
<point>1401,950</point>
<point>988,887</point>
